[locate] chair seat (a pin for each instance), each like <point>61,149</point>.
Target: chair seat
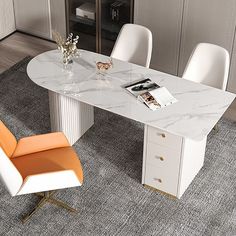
<point>39,143</point>
<point>57,159</point>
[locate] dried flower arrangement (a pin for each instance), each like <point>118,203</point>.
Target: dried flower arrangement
<point>68,47</point>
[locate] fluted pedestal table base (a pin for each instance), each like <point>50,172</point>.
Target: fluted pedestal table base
<point>69,116</point>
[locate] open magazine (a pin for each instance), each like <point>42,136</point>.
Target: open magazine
<point>150,93</point>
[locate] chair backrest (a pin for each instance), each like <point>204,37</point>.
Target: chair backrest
<point>134,44</point>
<point>7,140</point>
<point>8,172</point>
<point>208,64</point>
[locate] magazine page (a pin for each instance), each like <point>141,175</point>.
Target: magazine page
<point>157,98</point>
<point>149,101</point>
<point>141,86</point>
<point>163,96</point>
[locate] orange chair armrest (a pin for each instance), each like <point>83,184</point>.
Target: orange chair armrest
<point>39,143</point>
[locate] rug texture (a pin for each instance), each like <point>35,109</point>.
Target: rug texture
<point>112,200</point>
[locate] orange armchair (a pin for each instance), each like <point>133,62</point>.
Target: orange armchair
<point>40,163</point>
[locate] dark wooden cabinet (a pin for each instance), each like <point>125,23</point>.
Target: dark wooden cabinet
<point>98,22</point>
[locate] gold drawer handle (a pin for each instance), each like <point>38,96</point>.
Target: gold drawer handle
<point>162,135</point>
<point>158,180</point>
<point>159,158</point>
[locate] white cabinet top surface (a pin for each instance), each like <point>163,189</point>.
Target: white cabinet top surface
<point>198,109</point>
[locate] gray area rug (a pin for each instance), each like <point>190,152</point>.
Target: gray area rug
<point>112,200</point>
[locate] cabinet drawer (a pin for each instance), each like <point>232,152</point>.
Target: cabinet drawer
<point>163,157</point>
<point>164,138</point>
<point>161,179</point>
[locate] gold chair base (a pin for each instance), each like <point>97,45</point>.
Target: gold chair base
<point>47,197</point>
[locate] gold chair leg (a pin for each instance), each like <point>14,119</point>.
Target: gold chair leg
<point>61,204</point>
<point>47,197</point>
<point>37,207</point>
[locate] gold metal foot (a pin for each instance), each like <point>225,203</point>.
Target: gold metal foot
<point>161,192</point>
<point>47,197</point>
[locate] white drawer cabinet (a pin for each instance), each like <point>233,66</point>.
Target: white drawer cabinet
<point>163,138</point>
<point>162,179</point>
<point>164,157</point>
<point>170,162</point>
<point>7,19</point>
<point>162,166</point>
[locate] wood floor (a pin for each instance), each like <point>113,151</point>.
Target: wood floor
<point>18,45</point>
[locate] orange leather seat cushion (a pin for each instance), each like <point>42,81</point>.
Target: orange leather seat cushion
<point>52,160</point>
<point>7,140</point>
<point>40,143</point>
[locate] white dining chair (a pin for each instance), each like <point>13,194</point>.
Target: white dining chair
<point>209,65</point>
<point>134,44</point>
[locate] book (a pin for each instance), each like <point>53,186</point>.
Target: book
<point>150,93</point>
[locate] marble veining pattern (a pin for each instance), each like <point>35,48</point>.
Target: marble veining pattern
<point>198,109</point>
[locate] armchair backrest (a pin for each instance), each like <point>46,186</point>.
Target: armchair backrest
<point>7,140</point>
<point>9,174</point>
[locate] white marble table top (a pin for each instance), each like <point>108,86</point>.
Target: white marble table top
<point>198,109</point>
